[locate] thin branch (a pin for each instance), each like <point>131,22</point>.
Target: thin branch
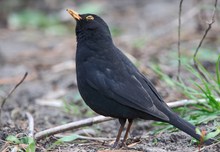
<point>87,138</point>
<point>30,124</point>
<point>185,102</point>
<point>99,119</point>
<point>200,43</point>
<point>10,93</point>
<point>179,32</point>
<point>70,126</point>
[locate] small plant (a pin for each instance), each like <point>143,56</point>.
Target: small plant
<point>202,133</point>
<point>197,113</point>
<point>20,144</point>
<point>205,136</point>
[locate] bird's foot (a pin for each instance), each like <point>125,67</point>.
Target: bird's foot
<point>115,145</point>
<point>123,144</point>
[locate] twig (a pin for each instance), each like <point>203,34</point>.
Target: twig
<point>31,124</point>
<point>70,126</point>
<point>99,119</point>
<point>179,32</point>
<point>10,93</point>
<point>185,102</point>
<point>95,139</point>
<point>200,43</point>
<point>88,138</point>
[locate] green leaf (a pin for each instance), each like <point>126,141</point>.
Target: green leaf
<point>13,139</point>
<point>198,131</point>
<point>31,147</point>
<point>67,139</point>
<point>27,140</point>
<point>213,134</point>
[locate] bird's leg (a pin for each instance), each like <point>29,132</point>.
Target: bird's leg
<point>122,122</point>
<point>127,131</point>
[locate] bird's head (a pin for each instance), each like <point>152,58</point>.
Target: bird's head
<point>90,27</point>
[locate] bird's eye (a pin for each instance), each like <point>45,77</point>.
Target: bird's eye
<point>90,17</point>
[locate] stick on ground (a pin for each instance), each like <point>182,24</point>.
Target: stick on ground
<point>10,93</point>
<point>30,124</point>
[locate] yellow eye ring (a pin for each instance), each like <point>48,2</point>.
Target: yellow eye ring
<point>90,17</point>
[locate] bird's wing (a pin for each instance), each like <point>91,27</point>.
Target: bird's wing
<point>128,91</point>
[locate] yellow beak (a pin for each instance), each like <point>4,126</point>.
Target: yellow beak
<point>74,14</point>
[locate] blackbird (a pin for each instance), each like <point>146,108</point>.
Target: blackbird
<point>111,85</point>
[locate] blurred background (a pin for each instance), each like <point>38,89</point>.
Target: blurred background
<point>38,37</point>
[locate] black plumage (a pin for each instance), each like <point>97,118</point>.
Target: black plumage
<point>111,85</point>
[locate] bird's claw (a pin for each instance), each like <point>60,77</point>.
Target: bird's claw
<point>117,145</point>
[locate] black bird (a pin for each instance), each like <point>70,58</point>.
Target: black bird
<point>111,85</point>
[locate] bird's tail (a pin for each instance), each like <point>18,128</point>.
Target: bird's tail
<point>188,128</point>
